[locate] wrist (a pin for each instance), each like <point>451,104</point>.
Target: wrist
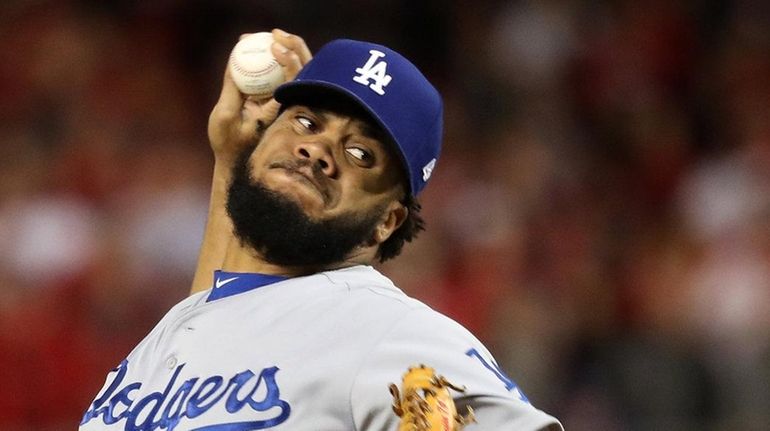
<point>224,159</point>
<point>223,169</point>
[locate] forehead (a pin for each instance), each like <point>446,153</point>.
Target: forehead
<point>335,103</point>
<point>362,123</point>
<point>330,103</point>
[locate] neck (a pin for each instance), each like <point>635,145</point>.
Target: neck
<point>239,258</point>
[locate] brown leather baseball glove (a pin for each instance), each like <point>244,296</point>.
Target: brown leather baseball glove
<point>424,402</point>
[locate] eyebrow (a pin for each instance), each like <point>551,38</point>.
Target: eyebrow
<point>368,129</point>
<point>374,132</point>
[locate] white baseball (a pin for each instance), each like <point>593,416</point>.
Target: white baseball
<point>253,67</point>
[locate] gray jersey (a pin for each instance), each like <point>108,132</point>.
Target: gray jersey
<point>309,353</point>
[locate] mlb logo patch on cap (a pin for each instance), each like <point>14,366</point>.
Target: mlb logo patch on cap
<point>390,88</point>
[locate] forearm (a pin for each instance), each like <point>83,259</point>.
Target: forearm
<point>219,230</point>
<point>231,128</point>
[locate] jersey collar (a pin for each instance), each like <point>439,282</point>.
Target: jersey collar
<point>232,283</point>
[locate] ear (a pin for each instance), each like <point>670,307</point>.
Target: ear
<point>395,215</point>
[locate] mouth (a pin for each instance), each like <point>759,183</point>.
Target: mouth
<point>305,174</point>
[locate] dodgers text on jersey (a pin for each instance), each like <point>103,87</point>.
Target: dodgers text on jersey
<point>190,399</point>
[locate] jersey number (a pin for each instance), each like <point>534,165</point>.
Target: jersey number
<point>495,369</point>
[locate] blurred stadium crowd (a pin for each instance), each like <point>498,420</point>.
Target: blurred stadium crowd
<point>600,215</point>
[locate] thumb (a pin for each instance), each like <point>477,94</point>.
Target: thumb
<point>230,99</point>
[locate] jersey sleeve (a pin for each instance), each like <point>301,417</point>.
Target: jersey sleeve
<point>423,336</point>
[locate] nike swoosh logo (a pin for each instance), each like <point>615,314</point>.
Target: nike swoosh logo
<point>219,283</point>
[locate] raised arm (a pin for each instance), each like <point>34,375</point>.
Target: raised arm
<point>236,121</point>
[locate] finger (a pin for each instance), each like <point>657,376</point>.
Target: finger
<point>288,59</point>
<point>293,43</point>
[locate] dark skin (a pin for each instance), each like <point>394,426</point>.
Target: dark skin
<point>342,167</point>
<point>329,162</point>
<point>330,165</point>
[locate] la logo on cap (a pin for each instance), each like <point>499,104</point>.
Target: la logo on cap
<point>427,170</point>
<point>375,69</point>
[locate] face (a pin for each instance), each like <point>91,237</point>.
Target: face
<point>319,184</point>
<point>329,163</point>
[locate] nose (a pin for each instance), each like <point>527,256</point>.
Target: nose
<point>318,153</point>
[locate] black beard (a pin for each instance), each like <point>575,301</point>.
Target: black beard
<point>282,233</point>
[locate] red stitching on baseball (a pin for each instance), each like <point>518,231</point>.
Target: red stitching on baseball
<point>251,73</point>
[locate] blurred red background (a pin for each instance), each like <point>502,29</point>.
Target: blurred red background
<point>600,215</point>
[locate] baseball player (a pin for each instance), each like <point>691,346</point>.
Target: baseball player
<point>296,330</point>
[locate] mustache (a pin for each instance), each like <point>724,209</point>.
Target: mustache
<point>297,166</point>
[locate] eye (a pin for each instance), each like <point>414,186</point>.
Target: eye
<point>307,123</point>
<point>360,154</point>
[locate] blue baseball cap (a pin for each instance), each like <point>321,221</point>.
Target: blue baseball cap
<point>390,88</point>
